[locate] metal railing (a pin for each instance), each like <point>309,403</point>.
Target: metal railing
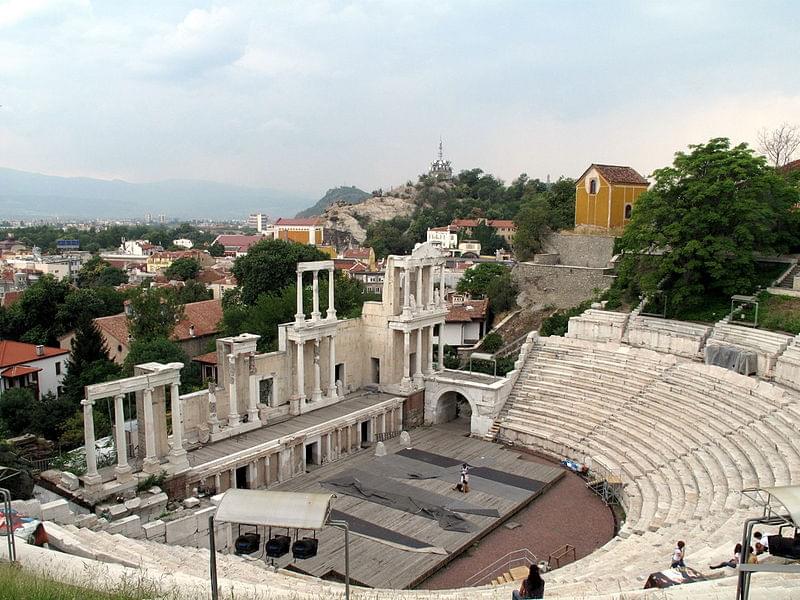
<point>386,435</point>
<point>515,558</point>
<point>5,497</point>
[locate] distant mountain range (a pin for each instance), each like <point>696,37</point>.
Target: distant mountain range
<point>349,194</point>
<point>25,195</point>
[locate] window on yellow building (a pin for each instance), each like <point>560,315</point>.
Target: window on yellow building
<point>593,186</point>
<point>628,209</point>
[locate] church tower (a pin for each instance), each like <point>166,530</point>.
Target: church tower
<point>440,168</point>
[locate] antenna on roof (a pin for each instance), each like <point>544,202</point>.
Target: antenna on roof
<point>440,148</point>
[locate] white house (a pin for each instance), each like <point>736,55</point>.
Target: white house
<point>183,243</point>
<point>39,368</point>
<point>465,322</point>
<point>445,237</point>
<point>139,248</point>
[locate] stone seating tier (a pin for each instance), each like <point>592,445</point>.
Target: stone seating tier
<point>684,444</point>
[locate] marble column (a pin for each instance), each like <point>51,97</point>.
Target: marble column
<point>406,380</point>
<point>177,456</point>
<point>151,464</point>
<point>299,316</point>
<point>233,478</point>
<point>441,283</point>
<point>431,297</point>
<point>217,483</point>
<point>331,314</point>
<point>332,366</point>
<point>123,469</point>
<point>252,403</point>
<point>301,381</point>
<point>406,291</point>
<point>420,297</point>
<point>233,397</point>
<point>316,395</point>
<point>441,347</point>
<point>315,314</point>
<point>418,380</point>
<point>92,476</point>
<point>429,351</point>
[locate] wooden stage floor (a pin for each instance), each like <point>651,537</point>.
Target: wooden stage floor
<point>394,548</point>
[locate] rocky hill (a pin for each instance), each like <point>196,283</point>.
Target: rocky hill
<point>348,194</point>
<point>351,220</point>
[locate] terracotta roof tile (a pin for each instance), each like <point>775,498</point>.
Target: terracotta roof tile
<point>16,353</point>
<point>18,371</point>
<point>789,167</point>
<point>617,174</point>
<point>362,253</point>
<point>205,316</point>
<point>210,358</point>
<point>310,222</point>
<point>470,310</point>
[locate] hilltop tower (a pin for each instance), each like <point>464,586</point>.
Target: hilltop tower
<point>440,168</point>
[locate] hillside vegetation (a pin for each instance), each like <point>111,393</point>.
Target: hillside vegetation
<point>347,194</point>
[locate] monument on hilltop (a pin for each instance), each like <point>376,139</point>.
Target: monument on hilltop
<point>441,168</point>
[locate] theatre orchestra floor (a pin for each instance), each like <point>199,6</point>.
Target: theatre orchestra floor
<point>405,517</point>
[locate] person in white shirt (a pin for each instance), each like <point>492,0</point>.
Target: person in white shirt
<point>678,554</point>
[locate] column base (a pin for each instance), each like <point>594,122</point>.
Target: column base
<point>234,420</point>
<point>333,394</point>
<point>252,416</point>
<point>151,466</point>
<point>315,316</point>
<point>123,473</point>
<point>177,458</point>
<point>92,481</point>
<point>405,384</point>
<point>331,315</point>
<point>213,425</point>
<point>418,380</point>
<point>316,396</point>
<point>295,404</point>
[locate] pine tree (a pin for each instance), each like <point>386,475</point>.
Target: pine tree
<point>87,361</point>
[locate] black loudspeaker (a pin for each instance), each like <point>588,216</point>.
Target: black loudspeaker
<point>247,543</point>
<point>784,547</point>
<point>278,546</point>
<point>305,548</point>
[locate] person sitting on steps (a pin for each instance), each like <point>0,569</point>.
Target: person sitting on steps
<point>532,586</point>
<point>737,558</point>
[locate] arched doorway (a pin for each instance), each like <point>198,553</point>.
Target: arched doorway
<point>453,407</point>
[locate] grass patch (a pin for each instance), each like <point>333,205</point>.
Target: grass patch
<point>779,313</point>
<point>16,584</point>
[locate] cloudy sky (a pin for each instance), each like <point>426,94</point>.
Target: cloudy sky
<point>303,96</point>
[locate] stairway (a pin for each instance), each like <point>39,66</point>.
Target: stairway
<point>788,281</point>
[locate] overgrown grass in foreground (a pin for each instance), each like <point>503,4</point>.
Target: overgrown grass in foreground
<point>16,584</point>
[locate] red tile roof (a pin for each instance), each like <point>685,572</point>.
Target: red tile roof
<point>343,264</point>
<point>205,316</point>
<point>496,223</point>
<point>10,297</point>
<point>789,167</point>
<point>362,253</point>
<point>18,371</point>
<point>311,222</point>
<point>240,242</point>
<point>616,174</point>
<point>470,310</point>
<point>209,358</point>
<point>360,267</point>
<point>16,353</point>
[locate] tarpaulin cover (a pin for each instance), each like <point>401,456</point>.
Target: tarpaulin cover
<point>732,358</point>
<point>394,494</point>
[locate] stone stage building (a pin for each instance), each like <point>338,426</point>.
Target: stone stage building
<point>332,385</point>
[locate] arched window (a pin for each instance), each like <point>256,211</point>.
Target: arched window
<point>593,186</point>
<point>628,209</point>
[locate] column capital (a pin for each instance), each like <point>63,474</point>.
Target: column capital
<point>86,402</point>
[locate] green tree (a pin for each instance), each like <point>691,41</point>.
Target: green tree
<point>34,318</point>
<point>88,363</point>
<point>708,215</point>
<point>561,204</point>
<point>99,273</point>
<point>390,237</point>
<point>193,291</point>
<point>488,238</point>
<point>183,269</point>
<point>216,250</point>
<point>477,279</point>
<point>502,293</point>
<point>153,313</point>
<point>16,412</point>
<point>153,349</point>
<point>532,223</point>
<point>270,266</point>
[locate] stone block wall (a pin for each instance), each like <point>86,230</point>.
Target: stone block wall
<point>414,410</point>
<point>561,286</point>
<point>580,250</point>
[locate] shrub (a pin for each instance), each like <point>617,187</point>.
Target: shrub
<point>557,323</point>
<point>492,342</point>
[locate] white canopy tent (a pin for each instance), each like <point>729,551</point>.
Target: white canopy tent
<point>263,508</point>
